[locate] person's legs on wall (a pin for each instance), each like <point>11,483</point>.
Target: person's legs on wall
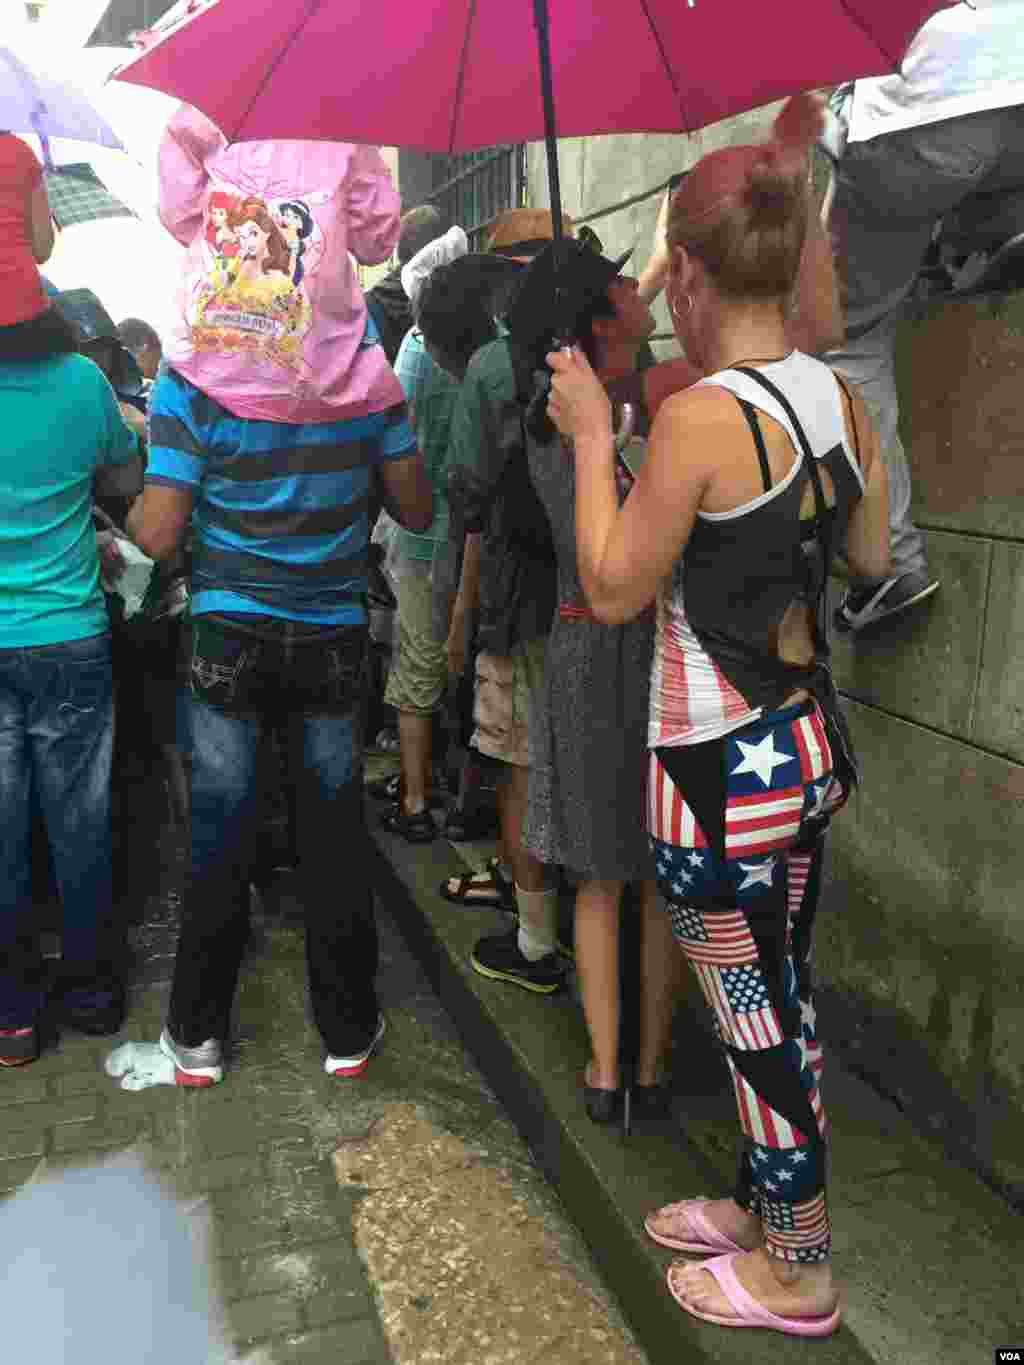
<point>981,243</point>
<point>890,191</point>
<point>869,362</point>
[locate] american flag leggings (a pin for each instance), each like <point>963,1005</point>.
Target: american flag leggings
<point>737,829</point>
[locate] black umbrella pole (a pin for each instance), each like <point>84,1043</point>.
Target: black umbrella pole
<point>540,20</point>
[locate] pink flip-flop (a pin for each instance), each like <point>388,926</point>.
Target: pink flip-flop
<point>708,1241</point>
<point>750,1313</point>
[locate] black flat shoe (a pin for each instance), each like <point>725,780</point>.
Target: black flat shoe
<point>602,1106</point>
<point>651,1102</point>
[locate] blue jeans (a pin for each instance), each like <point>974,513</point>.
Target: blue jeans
<point>56,737</point>
<point>305,680</point>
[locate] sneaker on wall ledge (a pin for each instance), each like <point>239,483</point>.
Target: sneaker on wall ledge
<point>862,607</point>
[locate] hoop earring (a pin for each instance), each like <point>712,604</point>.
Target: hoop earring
<point>674,307</point>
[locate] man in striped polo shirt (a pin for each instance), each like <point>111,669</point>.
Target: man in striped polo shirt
<point>274,426</point>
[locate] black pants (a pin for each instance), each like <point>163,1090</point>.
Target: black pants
<point>305,681</point>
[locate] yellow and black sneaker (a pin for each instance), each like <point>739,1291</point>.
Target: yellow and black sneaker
<point>497,956</point>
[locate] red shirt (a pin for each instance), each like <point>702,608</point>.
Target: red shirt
<point>21,290</point>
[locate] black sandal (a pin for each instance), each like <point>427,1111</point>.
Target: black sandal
<point>385,788</point>
<point>390,789</point>
<point>414,829</point>
<point>494,891</point>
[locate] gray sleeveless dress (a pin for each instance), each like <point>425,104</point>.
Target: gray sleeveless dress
<point>588,749</point>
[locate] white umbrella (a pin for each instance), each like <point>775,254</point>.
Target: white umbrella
<point>32,101</point>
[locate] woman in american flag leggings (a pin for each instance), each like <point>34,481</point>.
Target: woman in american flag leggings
<point>751,477</point>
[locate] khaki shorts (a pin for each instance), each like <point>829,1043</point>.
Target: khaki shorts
<point>419,670</point>
<point>508,694</point>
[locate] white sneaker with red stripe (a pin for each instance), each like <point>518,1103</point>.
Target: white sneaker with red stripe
<point>18,1046</point>
<point>359,1061</point>
<point>202,1065</point>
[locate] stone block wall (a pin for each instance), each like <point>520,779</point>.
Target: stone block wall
<point>925,922</point>
<point>920,953</point>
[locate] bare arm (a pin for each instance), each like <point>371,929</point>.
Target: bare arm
<point>159,519</point>
<point>867,539</point>
<point>40,225</point>
<point>625,554</point>
<point>469,580</point>
<point>655,272</point>
<point>816,320</point>
<point>407,493</point>
<point>465,601</point>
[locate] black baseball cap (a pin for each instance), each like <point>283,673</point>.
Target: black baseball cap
<point>558,289</point>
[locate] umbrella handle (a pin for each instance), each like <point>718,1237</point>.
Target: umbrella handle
<point>44,141</point>
<point>536,420</point>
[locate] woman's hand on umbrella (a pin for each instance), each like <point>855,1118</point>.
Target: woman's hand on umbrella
<point>578,404</point>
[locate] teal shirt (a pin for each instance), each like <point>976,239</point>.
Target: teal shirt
<point>59,422</point>
<point>430,393</point>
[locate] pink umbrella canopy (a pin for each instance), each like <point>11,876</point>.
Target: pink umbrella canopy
<point>454,75</point>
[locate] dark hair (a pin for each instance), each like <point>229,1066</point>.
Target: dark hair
<point>47,335</point>
<point>138,335</point>
<point>305,230</point>
<point>418,227</point>
<point>601,307</point>
<point>453,312</point>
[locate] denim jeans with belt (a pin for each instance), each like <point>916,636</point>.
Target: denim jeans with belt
<point>247,674</point>
<point>56,739</point>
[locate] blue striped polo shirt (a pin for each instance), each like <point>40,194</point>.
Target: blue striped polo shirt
<point>280,522</point>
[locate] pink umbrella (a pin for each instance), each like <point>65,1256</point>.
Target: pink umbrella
<point>452,75</point>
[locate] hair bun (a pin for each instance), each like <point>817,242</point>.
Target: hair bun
<point>799,123</point>
<point>769,196</point>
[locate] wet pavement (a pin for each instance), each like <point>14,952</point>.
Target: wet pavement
<point>398,1217</point>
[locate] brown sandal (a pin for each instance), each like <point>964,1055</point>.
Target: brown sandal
<point>489,889</point>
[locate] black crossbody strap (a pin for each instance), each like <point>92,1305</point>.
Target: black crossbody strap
<point>750,413</point>
<point>836,728</point>
<point>823,522</point>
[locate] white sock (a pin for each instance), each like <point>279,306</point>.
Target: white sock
<point>139,1066</point>
<point>538,917</point>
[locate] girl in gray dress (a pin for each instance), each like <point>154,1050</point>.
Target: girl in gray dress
<point>588,767</point>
